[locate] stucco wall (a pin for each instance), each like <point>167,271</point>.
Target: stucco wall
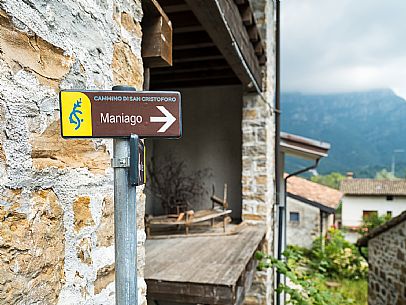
<point>387,267</point>
<point>56,202</point>
<point>211,139</point>
<point>353,206</point>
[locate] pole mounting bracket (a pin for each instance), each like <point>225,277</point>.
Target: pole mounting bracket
<point>134,162</point>
<point>120,162</point>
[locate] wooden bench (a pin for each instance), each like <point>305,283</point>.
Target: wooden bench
<point>188,218</point>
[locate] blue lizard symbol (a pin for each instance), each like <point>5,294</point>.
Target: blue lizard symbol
<point>73,116</point>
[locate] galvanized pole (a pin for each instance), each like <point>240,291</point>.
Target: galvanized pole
<point>125,221</point>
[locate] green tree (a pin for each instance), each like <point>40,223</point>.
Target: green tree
<point>332,180</point>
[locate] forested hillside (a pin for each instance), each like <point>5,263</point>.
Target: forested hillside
<point>363,128</point>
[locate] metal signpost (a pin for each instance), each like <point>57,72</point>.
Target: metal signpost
<point>125,115</point>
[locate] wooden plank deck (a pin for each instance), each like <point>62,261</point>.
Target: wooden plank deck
<point>204,269</point>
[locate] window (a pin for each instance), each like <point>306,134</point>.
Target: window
<point>294,217</point>
<point>389,214</point>
<point>369,214</point>
<point>389,198</point>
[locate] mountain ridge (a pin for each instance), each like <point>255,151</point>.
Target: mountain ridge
<point>363,128</point>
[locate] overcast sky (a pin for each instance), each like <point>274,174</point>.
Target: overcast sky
<point>343,45</point>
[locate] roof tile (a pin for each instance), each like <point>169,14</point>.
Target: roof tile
<point>373,187</point>
<point>315,192</point>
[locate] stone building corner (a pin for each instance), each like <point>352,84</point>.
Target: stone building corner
<point>56,199</point>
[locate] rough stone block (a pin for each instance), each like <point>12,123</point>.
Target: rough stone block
<point>82,213</point>
<point>127,68</point>
<point>50,150</point>
<point>31,53</point>
<point>32,248</point>
<point>105,232</point>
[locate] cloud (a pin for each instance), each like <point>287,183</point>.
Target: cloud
<point>346,45</point>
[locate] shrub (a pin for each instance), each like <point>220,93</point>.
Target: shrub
<point>338,258</point>
<point>304,286</point>
<point>371,222</point>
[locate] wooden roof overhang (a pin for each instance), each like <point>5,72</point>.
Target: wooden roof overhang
<point>214,42</point>
<point>202,269</point>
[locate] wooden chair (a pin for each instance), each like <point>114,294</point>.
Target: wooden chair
<point>223,203</point>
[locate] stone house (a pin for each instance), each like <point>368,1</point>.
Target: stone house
<point>365,197</point>
<point>56,201</point>
<point>311,210</point>
<point>228,128</point>
<point>387,262</point>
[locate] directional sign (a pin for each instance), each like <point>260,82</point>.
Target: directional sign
<point>120,113</point>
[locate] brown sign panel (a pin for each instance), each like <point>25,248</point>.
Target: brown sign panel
<point>120,114</point>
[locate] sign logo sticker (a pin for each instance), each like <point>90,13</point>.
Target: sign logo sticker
<point>76,112</point>
<point>73,117</point>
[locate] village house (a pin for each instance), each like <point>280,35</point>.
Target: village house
<point>365,197</point>
<point>57,205</point>
<point>311,210</point>
<point>300,148</point>
<point>223,66</point>
<point>387,262</point>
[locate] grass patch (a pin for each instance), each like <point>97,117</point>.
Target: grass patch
<point>355,290</point>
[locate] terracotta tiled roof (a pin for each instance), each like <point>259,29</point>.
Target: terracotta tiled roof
<point>373,187</point>
<point>315,192</point>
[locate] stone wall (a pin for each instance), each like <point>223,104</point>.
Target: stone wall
<point>56,205</point>
<point>258,176</point>
<point>303,232</point>
<point>258,185</point>
<point>387,267</point>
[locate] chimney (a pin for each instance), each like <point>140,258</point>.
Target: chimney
<point>350,175</point>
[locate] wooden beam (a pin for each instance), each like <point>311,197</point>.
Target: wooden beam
<point>188,29</point>
<point>246,14</point>
<point>176,8</point>
<point>171,2</point>
<point>196,83</point>
<point>198,65</point>
<point>194,46</point>
<point>259,48</point>
<point>223,23</point>
<point>200,58</point>
<point>253,33</point>
<point>157,35</point>
<point>200,68</point>
<point>193,75</point>
<point>248,17</point>
<point>198,52</point>
<point>262,60</point>
<point>183,19</point>
<point>191,292</point>
<point>188,40</point>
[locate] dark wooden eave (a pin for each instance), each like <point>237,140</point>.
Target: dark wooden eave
<point>215,42</point>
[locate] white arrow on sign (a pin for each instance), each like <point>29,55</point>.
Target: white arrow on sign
<point>168,119</point>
